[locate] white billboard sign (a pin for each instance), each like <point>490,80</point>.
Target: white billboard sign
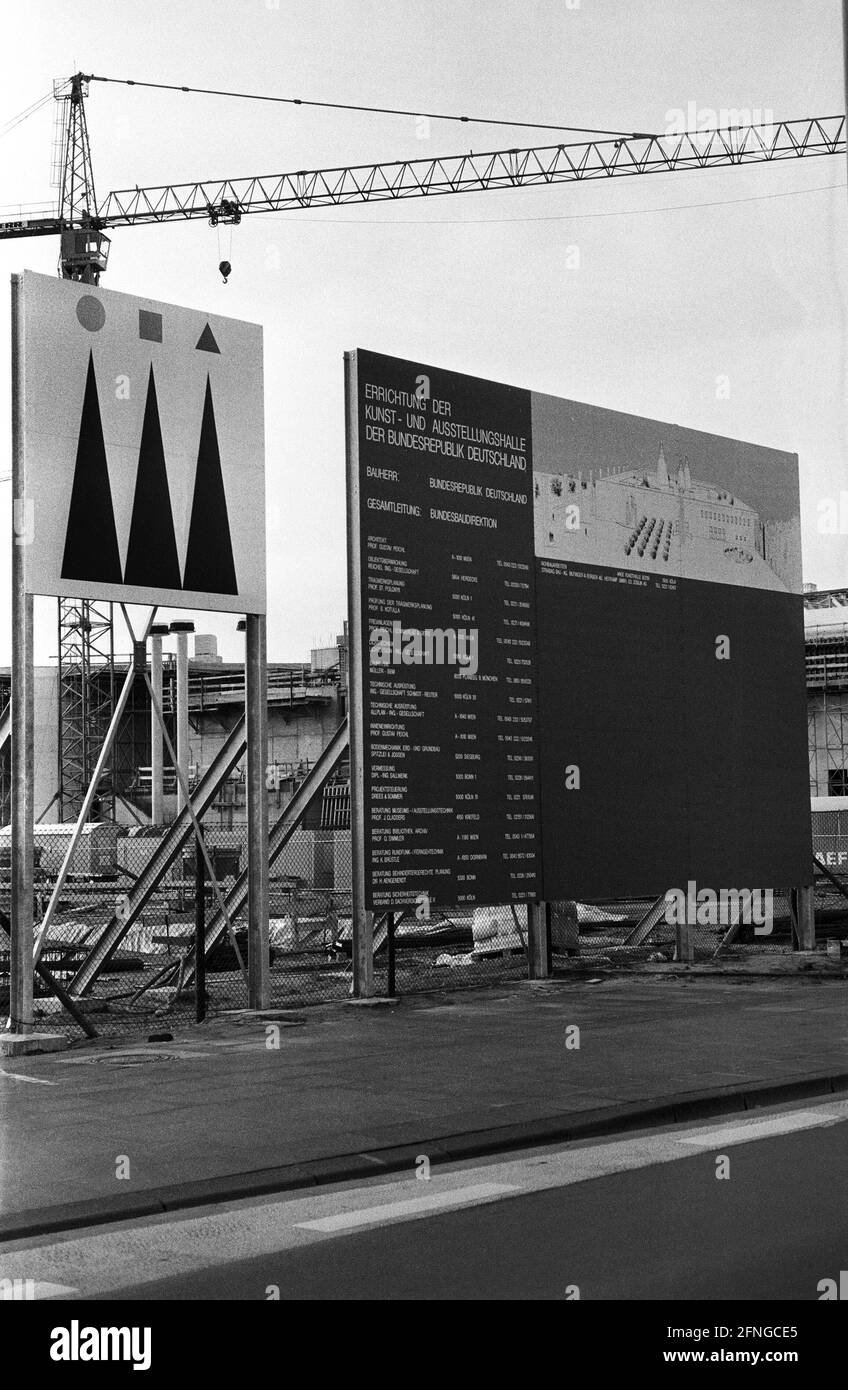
<point>144,456</point>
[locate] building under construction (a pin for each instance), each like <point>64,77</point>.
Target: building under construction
<point>74,702</point>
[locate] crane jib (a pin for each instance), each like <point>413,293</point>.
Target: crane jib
<point>462,173</point>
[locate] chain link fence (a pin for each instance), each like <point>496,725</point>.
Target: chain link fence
<point>148,979</point>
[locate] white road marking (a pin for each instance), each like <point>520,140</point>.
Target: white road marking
<point>25,1290</point>
<point>756,1129</point>
<point>398,1211</point>
<point>33,1080</point>
<point>145,1251</point>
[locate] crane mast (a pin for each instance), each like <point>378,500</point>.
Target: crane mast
<point>83,249</point>
<point>86,643</point>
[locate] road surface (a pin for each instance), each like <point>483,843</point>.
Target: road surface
<point>751,1207</point>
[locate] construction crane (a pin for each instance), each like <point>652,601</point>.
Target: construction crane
<point>82,225</point>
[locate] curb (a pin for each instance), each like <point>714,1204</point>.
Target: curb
<point>556,1129</point>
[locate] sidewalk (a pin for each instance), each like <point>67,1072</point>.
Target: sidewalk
<point>371,1087</point>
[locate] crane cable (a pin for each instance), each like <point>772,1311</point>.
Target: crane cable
<point>373,110</point>
<point>24,115</point>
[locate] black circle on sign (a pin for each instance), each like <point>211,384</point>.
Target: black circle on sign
<point>91,313</point>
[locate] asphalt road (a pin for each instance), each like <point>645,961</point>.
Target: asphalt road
<point>647,1217</point>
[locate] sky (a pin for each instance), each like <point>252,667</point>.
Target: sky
<point>712,299</point>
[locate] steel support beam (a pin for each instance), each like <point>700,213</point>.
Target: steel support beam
<point>363,918</point>
<point>183,753</point>
<point>157,763</point>
<point>256,720</point>
<point>23,804</point>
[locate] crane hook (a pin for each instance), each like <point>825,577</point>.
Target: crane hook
<point>225,269</point>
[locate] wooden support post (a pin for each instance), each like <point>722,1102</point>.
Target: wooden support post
<point>803,909</point>
<point>684,943</point>
<point>539,941</point>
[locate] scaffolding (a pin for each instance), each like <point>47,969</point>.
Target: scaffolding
<point>827,708</point>
<point>86,702</point>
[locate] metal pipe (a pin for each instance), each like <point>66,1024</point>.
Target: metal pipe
<point>390,955</point>
<point>845,62</point>
<point>157,808</point>
<point>23,765</point>
<point>256,719</point>
<point>182,718</point>
<point>199,927</point>
<point>363,918</point>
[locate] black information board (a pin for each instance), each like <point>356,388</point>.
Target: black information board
<point>446,552</point>
<point>581,648</point>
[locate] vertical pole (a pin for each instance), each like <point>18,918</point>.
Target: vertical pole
<point>182,718</point>
<point>256,715</point>
<point>23,808</point>
<point>539,941</point>
<point>199,927</point>
<point>60,741</point>
<point>363,919</point>
<point>157,808</point>
<point>390,955</point>
<point>113,780</point>
<point>803,910</point>
<point>845,64</point>
<point>684,943</point>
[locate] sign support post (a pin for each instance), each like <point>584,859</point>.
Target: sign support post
<point>157,807</point>
<point>183,748</point>
<point>363,920</point>
<point>199,927</point>
<point>539,941</point>
<point>256,715</point>
<point>803,910</point>
<point>23,805</point>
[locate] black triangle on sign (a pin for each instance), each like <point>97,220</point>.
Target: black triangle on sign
<point>206,341</point>
<point>152,558</point>
<point>209,561</point>
<point>91,541</point>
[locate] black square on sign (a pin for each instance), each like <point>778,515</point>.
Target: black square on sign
<point>150,325</point>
